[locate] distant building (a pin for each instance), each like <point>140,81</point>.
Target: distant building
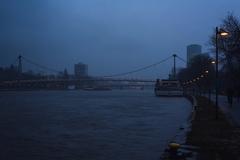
<point>80,70</point>
<point>192,51</point>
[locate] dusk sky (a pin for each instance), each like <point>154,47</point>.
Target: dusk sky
<point>111,36</point>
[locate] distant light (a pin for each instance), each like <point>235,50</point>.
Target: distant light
<point>198,78</point>
<point>213,62</point>
<point>202,76</point>
<point>206,71</point>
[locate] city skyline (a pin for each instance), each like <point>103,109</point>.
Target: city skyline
<point>111,37</point>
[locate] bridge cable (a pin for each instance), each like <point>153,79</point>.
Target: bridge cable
<point>108,76</point>
<point>182,59</point>
<point>41,66</point>
<point>138,70</point>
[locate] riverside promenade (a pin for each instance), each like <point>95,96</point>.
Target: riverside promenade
<point>231,111</point>
<point>216,138</point>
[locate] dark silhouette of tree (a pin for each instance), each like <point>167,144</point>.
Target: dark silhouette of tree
<point>11,73</point>
<point>199,66</point>
<point>229,49</point>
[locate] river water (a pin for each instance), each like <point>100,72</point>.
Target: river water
<point>88,125</point>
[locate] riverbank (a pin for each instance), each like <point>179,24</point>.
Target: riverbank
<point>217,139</point>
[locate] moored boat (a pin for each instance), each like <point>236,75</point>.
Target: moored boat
<point>97,89</point>
<point>169,88</point>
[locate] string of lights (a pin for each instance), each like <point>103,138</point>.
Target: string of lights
<point>196,79</point>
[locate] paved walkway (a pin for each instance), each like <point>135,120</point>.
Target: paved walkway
<point>232,112</point>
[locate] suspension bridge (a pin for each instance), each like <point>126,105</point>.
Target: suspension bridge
<point>107,81</point>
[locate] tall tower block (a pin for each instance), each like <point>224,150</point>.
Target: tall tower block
<point>192,51</point>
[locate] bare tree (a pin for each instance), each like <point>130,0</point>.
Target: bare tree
<point>198,66</point>
<point>229,48</point>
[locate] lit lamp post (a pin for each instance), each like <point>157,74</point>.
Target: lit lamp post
<point>219,33</point>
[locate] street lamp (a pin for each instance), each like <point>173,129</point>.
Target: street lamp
<point>219,33</point>
<point>222,32</point>
<point>213,62</point>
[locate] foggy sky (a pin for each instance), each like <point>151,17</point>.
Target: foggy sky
<point>111,36</point>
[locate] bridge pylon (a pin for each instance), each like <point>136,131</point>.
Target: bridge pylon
<point>174,66</point>
<point>19,67</point>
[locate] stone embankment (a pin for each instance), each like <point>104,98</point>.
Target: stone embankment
<point>209,138</point>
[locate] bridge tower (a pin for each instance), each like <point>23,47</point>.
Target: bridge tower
<point>19,66</point>
<point>174,66</point>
